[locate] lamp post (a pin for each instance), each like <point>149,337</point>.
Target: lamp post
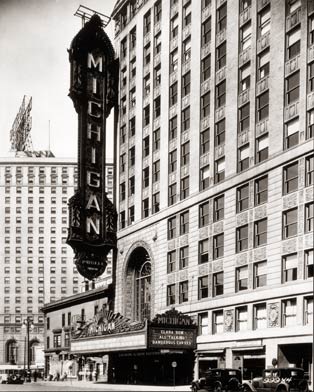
<point>28,324</point>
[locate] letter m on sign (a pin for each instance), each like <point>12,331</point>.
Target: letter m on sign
<point>95,63</point>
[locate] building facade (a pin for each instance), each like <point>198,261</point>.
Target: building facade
<point>215,174</point>
<point>36,265</point>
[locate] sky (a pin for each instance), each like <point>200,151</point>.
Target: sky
<point>34,38</point>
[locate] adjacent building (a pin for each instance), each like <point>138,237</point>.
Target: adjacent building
<point>215,176</point>
<point>36,264</point>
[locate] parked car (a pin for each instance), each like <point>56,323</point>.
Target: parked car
<point>278,380</point>
<point>219,380</point>
<point>15,378</point>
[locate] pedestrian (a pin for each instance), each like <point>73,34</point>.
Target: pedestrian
<point>35,376</point>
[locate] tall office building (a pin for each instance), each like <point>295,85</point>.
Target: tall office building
<point>36,264</point>
<point>215,176</point>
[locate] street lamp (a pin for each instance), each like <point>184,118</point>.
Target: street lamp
<point>28,324</point>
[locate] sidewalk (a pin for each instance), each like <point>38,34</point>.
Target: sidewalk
<point>89,385</point>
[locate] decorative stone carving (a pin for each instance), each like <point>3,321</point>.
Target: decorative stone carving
<point>204,159</point>
<point>183,275</point>
<point>171,244</point>
<point>185,136</point>
<point>292,110</point>
<point>205,50</point>
<point>172,178</point>
<point>220,37</point>
<point>245,15</point>
<point>205,13</point>
<point>218,227</point>
<point>205,123</point>
<point>292,65</point>
<point>242,218</point>
<point>289,246</point>
<point>203,233</point>
<point>310,100</point>
<point>173,77</point>
<point>241,259</point>
<point>262,85</point>
<point>184,240</point>
<point>229,320</point>
<point>244,56</point>
<point>157,123</point>
<point>203,269</point>
<point>310,53</point>
<point>244,97</point>
<point>171,278</point>
<point>220,113</point>
<point>221,74</point>
<point>263,42</point>
<point>217,265</point>
<point>260,212</point>
<point>156,59</point>
<point>273,314</point>
<point>290,201</point>
<point>308,240</point>
<point>262,127</point>
<point>293,19</point>
<point>173,144</point>
<point>186,67</point>
<point>156,91</point>
<point>219,151</point>
<point>185,101</point>
<point>186,31</point>
<point>205,86</point>
<point>243,138</point>
<point>260,253</point>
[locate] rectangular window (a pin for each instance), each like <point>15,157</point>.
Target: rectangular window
<point>146,116</point>
<point>262,106</point>
<point>184,257</point>
<point>205,105</point>
<point>146,55</point>
<point>264,21</point>
<point>219,208</point>
<point>203,214</point>
<point>131,213</point>
<point>171,228</point>
<point>219,170</point>
<point>156,202</point>
<point>171,261</point>
<point>147,23</point>
<point>131,185</point>
<point>156,171</point>
<point>242,278</point>
<point>122,191</point>
<point>132,127</point>
<point>220,132</point>
<point>203,251</point>
<point>260,274</point>
<point>186,50</point>
<point>293,43</point>
<point>290,178</point>
<point>218,283</point>
<point>204,178</point>
<point>173,128</point>
<point>173,94</point>
<point>242,234</point>
<point>311,77</point>
<point>171,294</point>
<point>146,177</point>
<point>132,156</point>
<point>241,318</point>
<point>173,60</point>
<point>205,68</point>
<point>174,23</point>
<point>290,223</point>
<point>218,322</point>
<point>309,217</point>
<point>157,107</point>
<point>292,133</point>
<point>203,287</point>
<point>308,311</point>
<point>184,222</point>
<point>289,312</point>
<point>243,158</point>
<point>187,10</point>
<point>203,323</point>
<point>309,270</point>
<point>243,198</point>
<point>221,94</point>
<point>260,232</point>
<point>309,170</point>
<point>244,117</point>
<point>157,41</point>
<point>292,88</point>
<point>186,84</point>
<point>206,32</point>
<point>245,36</point>
<point>145,208</point>
<point>204,142</point>
<point>172,194</point>
<point>184,187</point>
<point>289,268</point>
<point>185,153</point>
<point>221,18</point>
<point>185,118</point>
<point>260,316</point>
<point>122,219</point>
<point>218,246</point>
<point>245,77</point>
<point>221,56</point>
<point>183,292</point>
<point>263,64</point>
<point>310,124</point>
<point>262,144</point>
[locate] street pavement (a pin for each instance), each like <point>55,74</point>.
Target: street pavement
<point>87,386</point>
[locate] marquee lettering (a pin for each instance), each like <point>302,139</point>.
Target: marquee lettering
<point>92,131</point>
<point>93,179</point>
<point>93,203</point>
<point>94,109</point>
<point>95,63</point>
<point>95,225</point>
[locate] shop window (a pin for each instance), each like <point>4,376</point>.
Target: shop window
<point>242,278</point>
<point>289,268</point>
<point>289,312</point>
<point>203,287</point>
<point>204,214</point>
<point>260,316</point>
<point>260,274</point>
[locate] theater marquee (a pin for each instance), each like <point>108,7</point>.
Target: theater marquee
<point>92,231</point>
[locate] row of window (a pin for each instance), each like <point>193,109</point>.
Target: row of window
<point>221,319</point>
<point>41,220</point>
<point>41,189</point>
<point>30,200</point>
<point>31,260</point>
<point>30,279</point>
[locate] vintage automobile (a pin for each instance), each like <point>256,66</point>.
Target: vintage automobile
<point>278,380</point>
<point>218,380</point>
<point>15,378</point>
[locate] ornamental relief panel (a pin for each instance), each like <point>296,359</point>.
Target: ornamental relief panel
<point>243,138</point>
<point>205,13</point>
<point>203,269</point>
<point>173,77</point>
<point>217,265</point>
<point>273,314</point>
<point>244,56</point>
<point>156,187</point>
<point>260,254</point>
<point>242,218</point>
<point>229,320</point>
<point>171,245</point>
<point>218,227</point>
<point>289,246</point>
<point>145,131</point>
<point>262,85</point>
<point>171,278</point>
<point>308,240</point>
<point>241,259</point>
<point>204,159</point>
<point>182,275</point>
<point>184,171</point>
<point>219,151</point>
<point>184,240</point>
<point>205,50</point>
<point>173,144</point>
<point>310,53</point>
<point>205,86</point>
<point>220,113</point>
<point>171,179</point>
<point>185,101</point>
<point>203,233</point>
<point>186,31</point>
<point>156,155</point>
<point>262,127</point>
<point>157,123</point>
<point>292,110</point>
<point>131,171</point>
<point>260,212</point>
<point>205,123</point>
<point>186,67</point>
<point>185,136</point>
<point>290,201</point>
<point>173,44</point>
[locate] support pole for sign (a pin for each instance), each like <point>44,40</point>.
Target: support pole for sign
<point>174,376</point>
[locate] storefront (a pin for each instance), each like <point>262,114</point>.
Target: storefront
<point>160,351</point>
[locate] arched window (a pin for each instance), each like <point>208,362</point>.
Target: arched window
<point>143,291</point>
<point>11,351</point>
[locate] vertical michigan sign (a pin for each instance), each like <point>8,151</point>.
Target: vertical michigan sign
<point>92,231</point>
